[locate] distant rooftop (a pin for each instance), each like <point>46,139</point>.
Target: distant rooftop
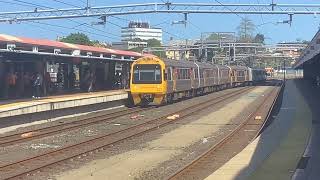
<point>136,24</point>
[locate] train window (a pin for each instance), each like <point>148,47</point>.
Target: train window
<point>201,73</point>
<point>196,74</point>
<point>184,73</point>
<point>146,74</point>
<point>188,73</point>
<point>169,75</point>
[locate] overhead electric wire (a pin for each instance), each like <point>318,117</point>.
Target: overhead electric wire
<point>151,26</point>
<point>229,9</point>
<point>86,24</point>
<point>66,3</point>
<point>35,5</point>
<point>64,27</point>
<point>42,6</point>
<point>260,14</point>
<point>6,2</point>
<point>47,29</point>
<point>197,27</point>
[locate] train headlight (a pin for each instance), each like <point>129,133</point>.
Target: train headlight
<point>158,88</point>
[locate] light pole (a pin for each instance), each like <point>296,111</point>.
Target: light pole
<point>284,70</point>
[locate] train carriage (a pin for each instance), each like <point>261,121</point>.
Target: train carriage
<point>239,75</point>
<point>258,75</point>
<point>162,81</point>
<point>224,76</point>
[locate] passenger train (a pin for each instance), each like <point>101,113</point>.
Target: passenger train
<point>162,81</point>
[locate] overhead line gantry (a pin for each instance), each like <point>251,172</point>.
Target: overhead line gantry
<point>168,7</point>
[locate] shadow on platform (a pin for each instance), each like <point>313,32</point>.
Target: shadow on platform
<point>279,152</point>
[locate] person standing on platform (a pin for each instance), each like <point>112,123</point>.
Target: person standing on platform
<point>118,81</point>
<point>72,80</point>
<point>37,86</point>
<point>12,82</point>
<point>91,82</point>
<point>124,81</point>
<point>47,83</point>
<point>86,80</point>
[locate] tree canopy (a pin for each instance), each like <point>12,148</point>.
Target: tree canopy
<point>77,38</point>
<point>246,29</point>
<point>151,43</point>
<point>214,36</point>
<point>83,39</point>
<point>259,38</point>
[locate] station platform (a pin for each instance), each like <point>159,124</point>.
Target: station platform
<point>289,147</point>
<point>14,108</point>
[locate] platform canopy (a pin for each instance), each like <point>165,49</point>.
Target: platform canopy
<point>310,53</point>
<point>13,44</point>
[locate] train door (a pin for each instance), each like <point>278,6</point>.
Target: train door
<point>204,77</point>
<point>191,77</point>
<point>174,78</point>
<point>169,79</point>
<point>235,76</point>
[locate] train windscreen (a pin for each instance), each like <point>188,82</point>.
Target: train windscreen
<point>146,74</point>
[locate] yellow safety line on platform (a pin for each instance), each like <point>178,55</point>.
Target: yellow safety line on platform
<point>62,98</point>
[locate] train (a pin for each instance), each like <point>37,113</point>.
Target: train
<point>162,81</point>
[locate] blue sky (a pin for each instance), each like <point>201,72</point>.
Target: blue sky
<point>303,27</point>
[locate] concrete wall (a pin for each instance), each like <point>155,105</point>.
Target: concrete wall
<point>2,79</point>
<point>311,69</point>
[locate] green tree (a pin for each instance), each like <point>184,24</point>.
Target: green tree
<point>214,36</point>
<point>305,41</point>
<point>153,43</point>
<point>77,38</point>
<point>245,30</point>
<point>259,38</point>
<point>137,49</point>
<point>156,43</point>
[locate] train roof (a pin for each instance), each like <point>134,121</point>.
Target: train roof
<point>205,65</point>
<point>239,67</point>
<point>191,64</point>
<point>258,69</point>
<point>179,63</point>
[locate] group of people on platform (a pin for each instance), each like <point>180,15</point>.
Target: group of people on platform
<point>25,84</point>
<point>36,84</point>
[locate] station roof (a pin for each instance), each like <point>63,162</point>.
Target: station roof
<point>50,44</point>
<point>310,52</point>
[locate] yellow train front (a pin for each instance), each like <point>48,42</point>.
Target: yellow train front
<point>147,82</point>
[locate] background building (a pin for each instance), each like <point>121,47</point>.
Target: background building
<point>140,31</point>
<point>129,44</point>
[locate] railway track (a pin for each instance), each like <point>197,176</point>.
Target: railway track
<point>17,169</point>
<point>55,129</point>
<point>213,158</point>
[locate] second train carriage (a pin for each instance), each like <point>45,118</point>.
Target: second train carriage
<point>162,81</point>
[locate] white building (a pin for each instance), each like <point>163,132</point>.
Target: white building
<point>140,30</point>
<point>129,44</point>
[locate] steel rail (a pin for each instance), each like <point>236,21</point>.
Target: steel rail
<point>55,129</point>
<point>85,147</point>
<point>190,166</point>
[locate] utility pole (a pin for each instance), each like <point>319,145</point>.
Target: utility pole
<point>284,71</point>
